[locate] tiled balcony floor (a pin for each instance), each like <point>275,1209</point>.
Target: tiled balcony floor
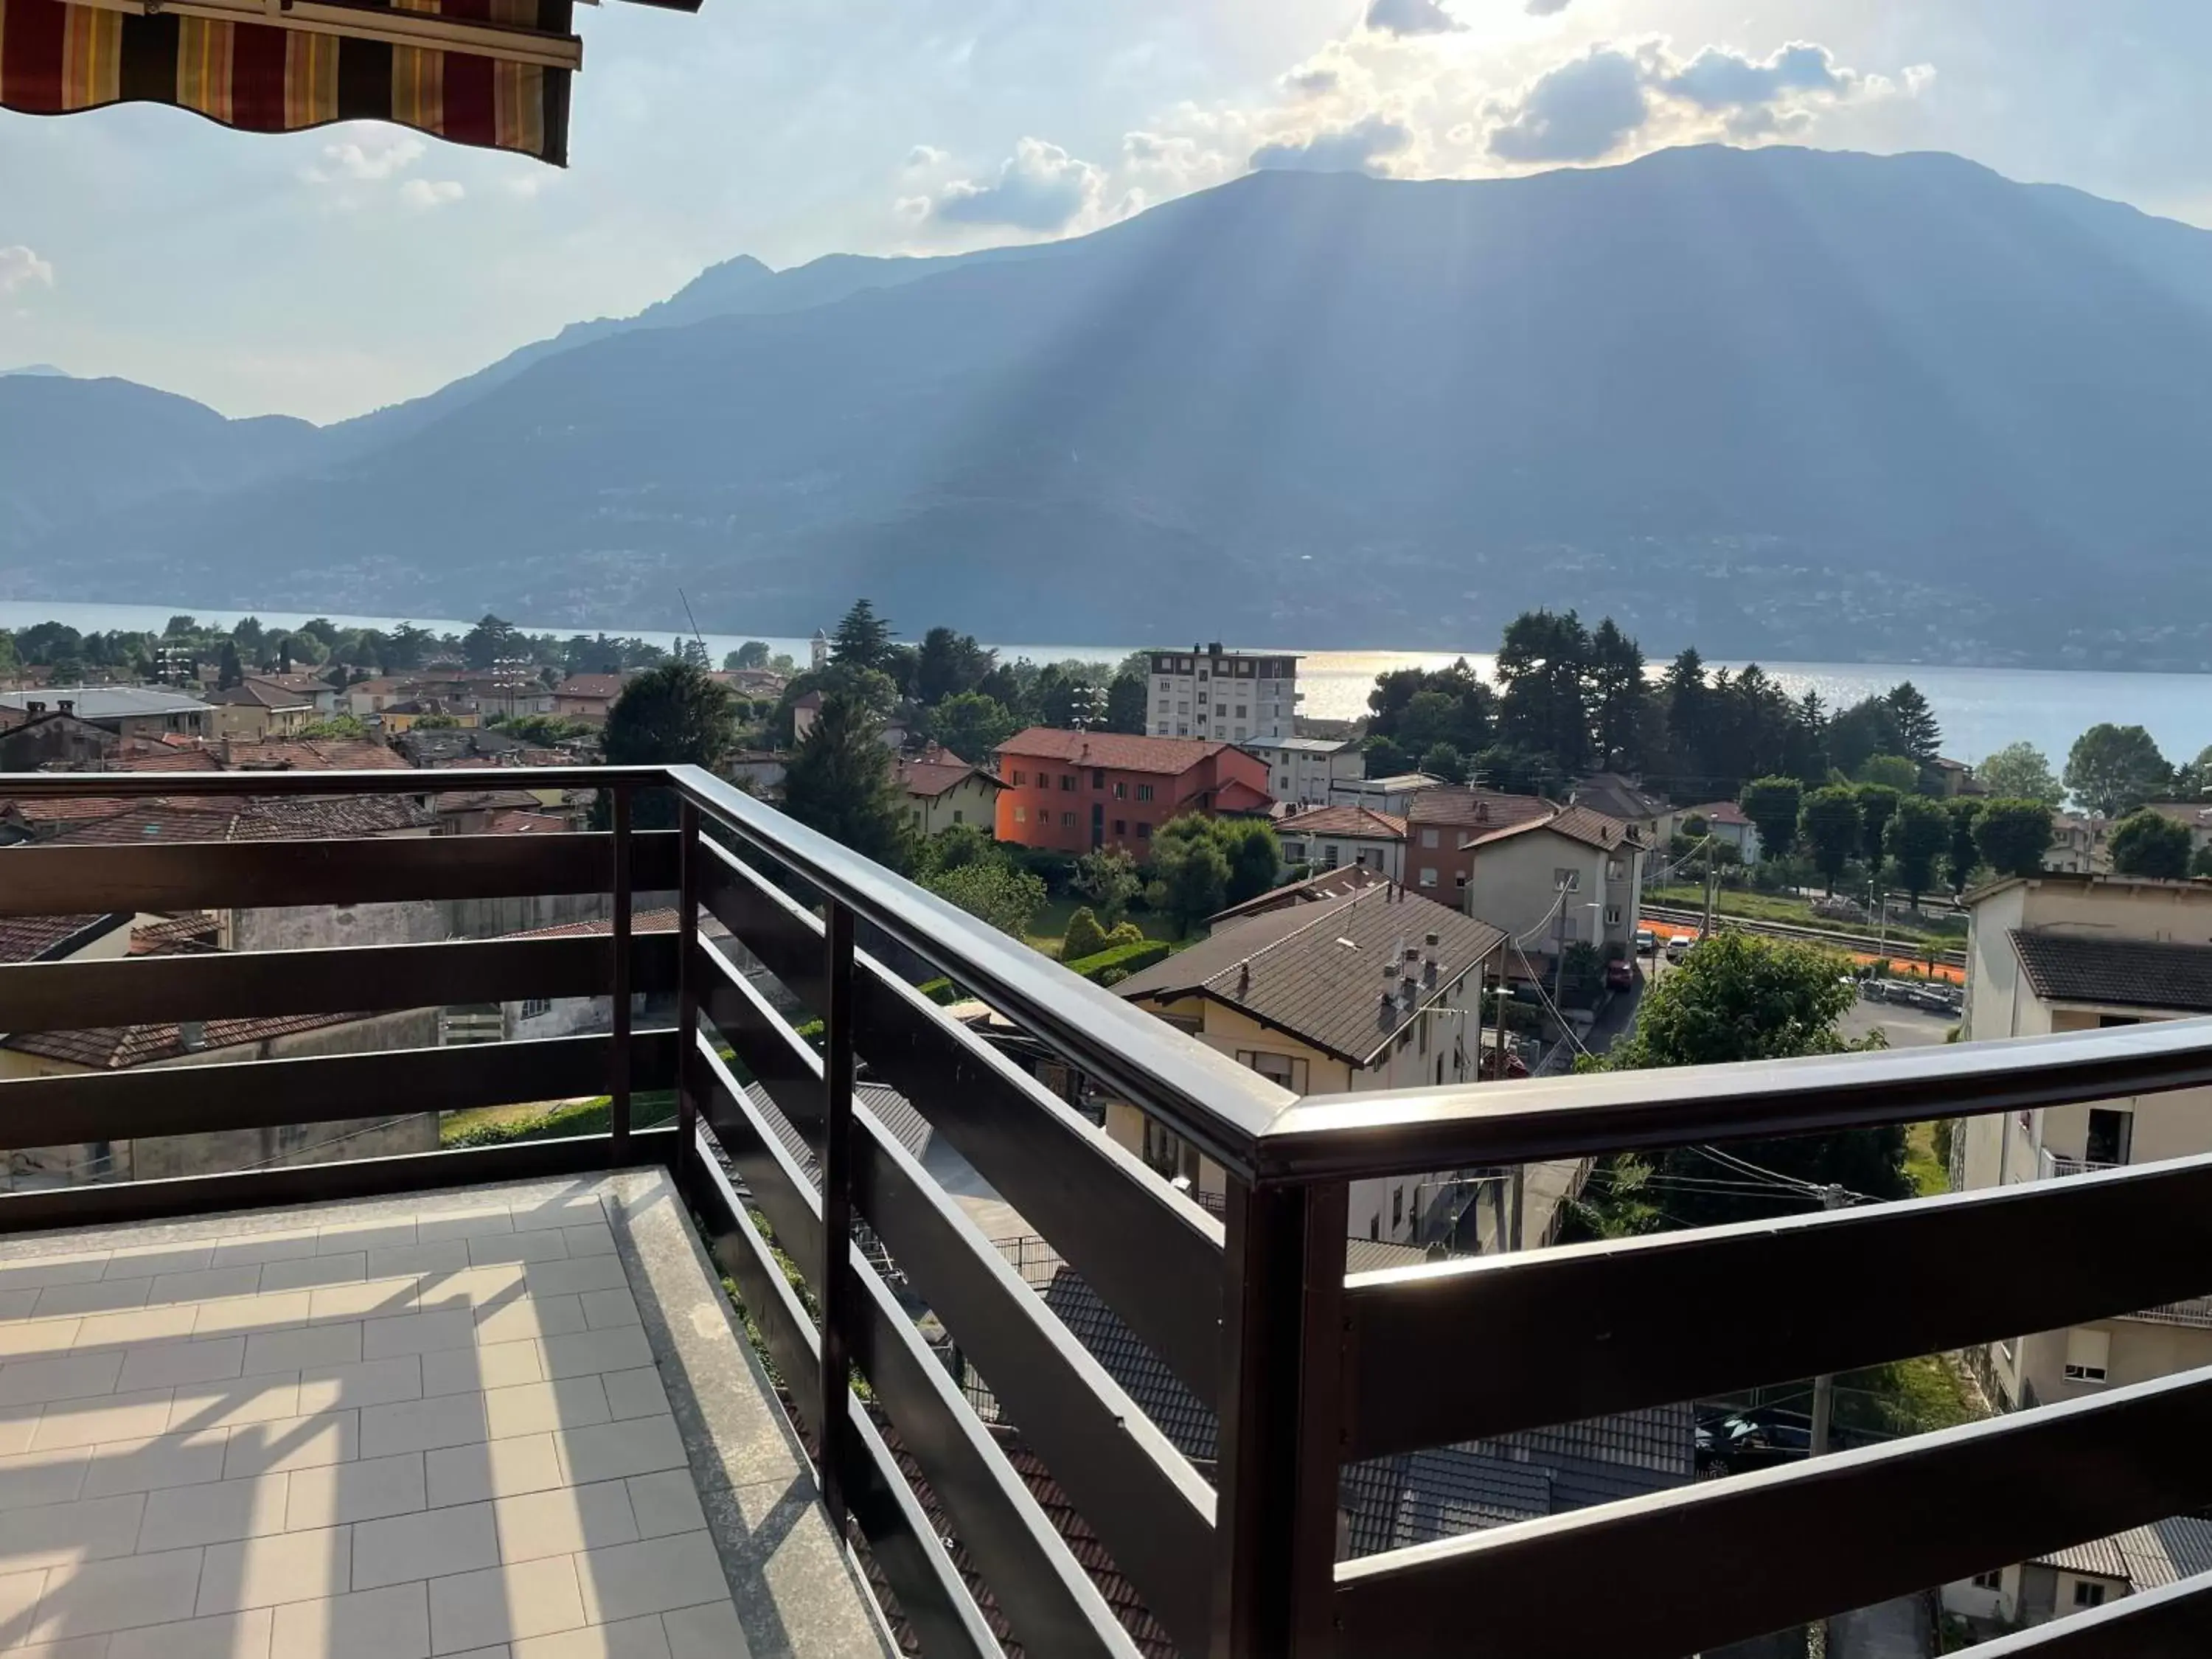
<point>507,1422</point>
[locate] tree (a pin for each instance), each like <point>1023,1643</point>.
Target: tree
<point>948,662</point>
<point>1383,758</point>
<point>972,725</point>
<point>1892,772</point>
<point>1255,857</point>
<point>992,891</point>
<point>2193,781</point>
<point>692,651</point>
<point>2014,836</point>
<point>2113,770</point>
<point>951,847</point>
<point>839,781</point>
<point>1084,937</point>
<point>2201,865</point>
<point>1125,705</point>
<point>1772,805</point>
<point>490,642</point>
<point>2147,843</point>
<point>2018,771</point>
<point>1919,834</point>
<point>1109,878</point>
<point>753,653</point>
<point>1192,868</point>
<point>338,725</point>
<point>1877,806</point>
<point>1619,698</point>
<point>1864,730</point>
<point>1740,997</point>
<point>1832,829</point>
<point>1442,761</point>
<point>1964,853</point>
<point>863,638</point>
<point>1922,739</point>
<point>231,671</point>
<point>1543,663</point>
<point>672,715</point>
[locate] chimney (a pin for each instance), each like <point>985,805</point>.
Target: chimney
<point>34,706</point>
<point>67,705</point>
<point>192,1033</point>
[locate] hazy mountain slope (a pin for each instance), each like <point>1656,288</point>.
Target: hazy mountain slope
<point>1778,401</point>
<point>68,445</point>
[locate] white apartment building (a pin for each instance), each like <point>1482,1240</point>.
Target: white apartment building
<point>2081,952</point>
<point>1208,692</point>
<point>1304,770</point>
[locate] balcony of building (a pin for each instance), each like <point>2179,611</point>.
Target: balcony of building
<point>496,1399</point>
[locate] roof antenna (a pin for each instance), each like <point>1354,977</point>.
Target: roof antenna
<point>694,620</point>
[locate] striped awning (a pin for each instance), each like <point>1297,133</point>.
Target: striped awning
<point>492,73</point>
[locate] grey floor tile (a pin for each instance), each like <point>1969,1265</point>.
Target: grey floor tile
<point>609,1451</point>
<point>623,1581</point>
<point>285,1566</point>
<point>451,1419</point>
<point>58,1534</point>
<point>179,1518</point>
<point>502,1604</point>
<point>227,1636</point>
<point>392,1623</point>
<point>100,1597</point>
<point>430,1545</point>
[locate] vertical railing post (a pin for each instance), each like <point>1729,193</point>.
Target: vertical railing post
<point>835,1279</point>
<point>1282,1422</point>
<point>618,1092</point>
<point>687,985</point>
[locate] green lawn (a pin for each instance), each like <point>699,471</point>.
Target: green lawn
<point>1796,912</point>
<point>1051,925</point>
<point>1922,1166</point>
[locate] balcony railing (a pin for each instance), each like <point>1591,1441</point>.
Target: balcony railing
<point>2055,1166</point>
<point>1306,1370</point>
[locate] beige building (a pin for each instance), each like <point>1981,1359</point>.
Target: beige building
<point>1376,988</point>
<point>942,790</point>
<point>256,708</point>
<point>1571,876</point>
<point>1305,770</point>
<point>1330,837</point>
<point>2073,953</point>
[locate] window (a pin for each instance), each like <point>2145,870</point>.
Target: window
<point>1459,880</point>
<point>1569,928</point>
<point>1098,778</point>
<point>1067,820</point>
<point>1018,779</point>
<point>1066,783</point>
<point>1428,877</point>
<point>1021,815</point>
<point>537,1007</point>
<point>1612,911</point>
<point>2088,1594</point>
<point>1428,836</point>
<point>1288,1070</point>
<point>1570,880</point>
<point>1144,792</point>
<point>2088,1354</point>
<point>2111,1134</point>
<point>1329,855</point>
<point>1201,677</point>
<point>1120,827</point>
<point>1614,872</point>
<point>1989,1581</point>
<point>1144,830</point>
<point>1240,730</point>
<point>1375,1229</point>
<point>1183,707</point>
<point>1397,1208</point>
<point>1240,711</point>
<point>1422,1026</point>
<point>1121,789</point>
<point>959,816</point>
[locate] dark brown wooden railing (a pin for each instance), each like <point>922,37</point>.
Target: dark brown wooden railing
<point>1306,1369</point>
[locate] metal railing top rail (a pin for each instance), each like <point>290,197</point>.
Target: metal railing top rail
<point>1347,1137</point>
<point>59,785</point>
<point>1204,1095</point>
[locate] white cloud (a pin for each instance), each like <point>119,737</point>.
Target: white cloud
<point>430,192</point>
<point>1575,113</point>
<point>20,269</point>
<point>1040,188</point>
<point>375,155</point>
<point>1546,8</point>
<point>1366,146</point>
<point>525,186</point>
<point>1411,17</point>
<point>922,157</point>
<point>1314,80</point>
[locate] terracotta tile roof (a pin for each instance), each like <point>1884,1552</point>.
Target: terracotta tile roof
<point>117,1048</point>
<point>127,823</point>
<point>1326,884</point>
<point>1354,821</point>
<point>936,770</point>
<point>176,936</point>
<point>1470,807</point>
<point>1717,812</point>
<point>260,694</point>
<point>1315,971</point>
<point>316,755</point>
<point>312,685</point>
<point>592,685</point>
<point>1575,823</point>
<point>644,921</point>
<point>2125,973</point>
<point>31,938</point>
<point>1116,751</point>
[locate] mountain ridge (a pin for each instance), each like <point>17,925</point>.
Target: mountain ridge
<point>1744,397</point>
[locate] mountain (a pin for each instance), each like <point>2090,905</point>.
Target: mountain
<point>1779,402</point>
<point>67,445</point>
<point>46,369</point>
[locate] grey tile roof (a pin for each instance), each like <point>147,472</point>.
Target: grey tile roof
<point>107,703</point>
<point>2149,1557</point>
<point>1417,1497</point>
<point>1315,970</point>
<point>892,1109</point>
<point>2126,973</point>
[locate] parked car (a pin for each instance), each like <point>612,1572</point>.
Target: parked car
<point>1620,976</point>
<point>1679,947</point>
<point>1647,942</point>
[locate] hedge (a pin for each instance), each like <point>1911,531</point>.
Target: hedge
<point>1129,959</point>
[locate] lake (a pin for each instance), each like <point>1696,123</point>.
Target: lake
<point>1981,709</point>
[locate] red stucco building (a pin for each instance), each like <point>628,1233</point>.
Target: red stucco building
<point>1075,791</point>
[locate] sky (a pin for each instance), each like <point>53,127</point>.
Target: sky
<point>327,273</point>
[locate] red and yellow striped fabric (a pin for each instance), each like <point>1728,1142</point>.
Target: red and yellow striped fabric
<point>56,58</point>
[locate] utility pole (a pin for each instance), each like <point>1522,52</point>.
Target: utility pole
<point>1711,877</point>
